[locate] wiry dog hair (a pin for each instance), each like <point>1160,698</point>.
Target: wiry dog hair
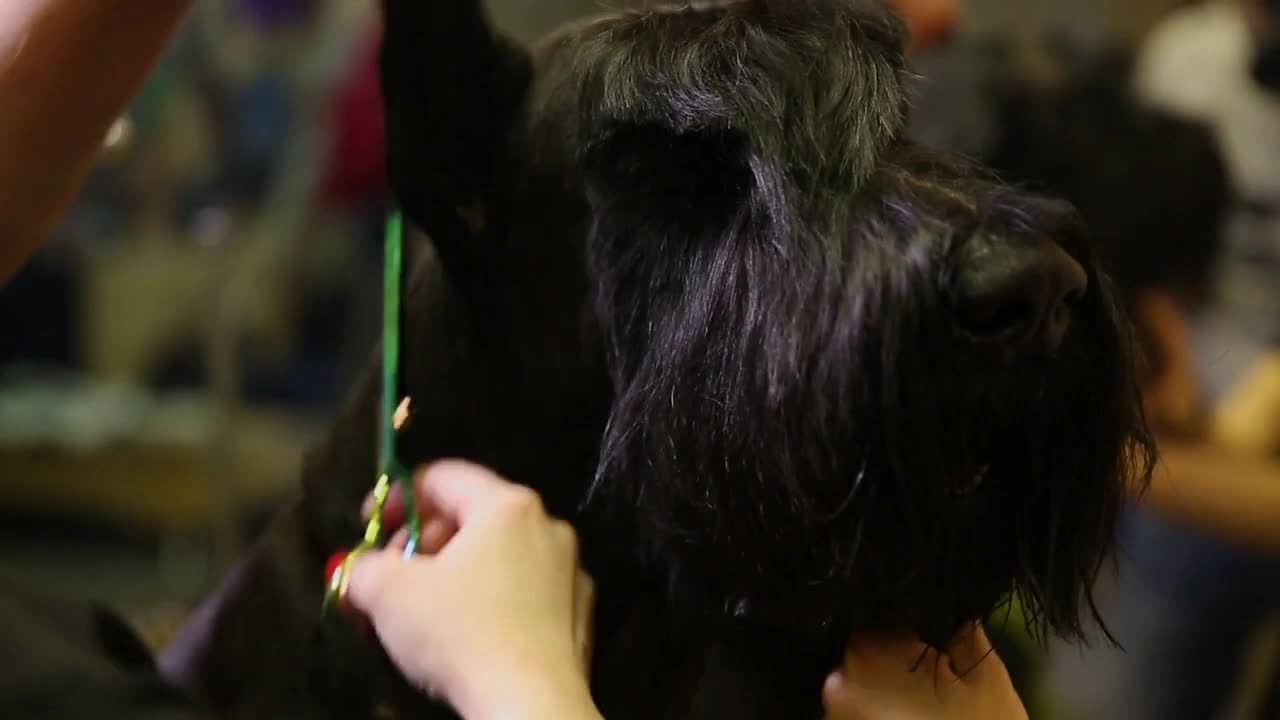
<point>798,418</point>
<point>694,289</point>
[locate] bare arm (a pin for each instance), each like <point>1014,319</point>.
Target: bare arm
<point>67,69</point>
<point>1229,486</point>
<point>1234,495</point>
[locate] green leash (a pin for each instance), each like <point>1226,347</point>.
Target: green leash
<point>390,470</point>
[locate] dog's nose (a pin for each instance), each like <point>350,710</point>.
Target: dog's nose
<point>1018,294</point>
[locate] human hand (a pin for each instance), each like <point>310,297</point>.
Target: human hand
<point>496,617</point>
<point>896,678</point>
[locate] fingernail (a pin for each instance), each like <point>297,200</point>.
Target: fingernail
<point>834,682</point>
<point>337,578</point>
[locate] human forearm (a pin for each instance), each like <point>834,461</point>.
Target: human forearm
<point>67,70</point>
<point>1234,495</point>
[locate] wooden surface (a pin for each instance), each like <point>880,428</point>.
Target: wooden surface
<point>159,487</point>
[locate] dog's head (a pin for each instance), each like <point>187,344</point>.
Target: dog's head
<point>855,385</point>
<point>886,417</point>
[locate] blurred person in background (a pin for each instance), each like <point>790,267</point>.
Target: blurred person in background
<point>1218,63</point>
<point>1199,559</point>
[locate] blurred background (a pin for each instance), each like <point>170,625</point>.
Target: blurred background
<point>200,313</point>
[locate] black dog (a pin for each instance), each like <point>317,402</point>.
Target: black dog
<point>790,376</point>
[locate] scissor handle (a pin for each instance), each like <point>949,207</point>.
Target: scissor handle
<point>391,419</point>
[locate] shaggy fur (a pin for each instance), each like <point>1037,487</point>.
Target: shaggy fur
<point>693,287</point>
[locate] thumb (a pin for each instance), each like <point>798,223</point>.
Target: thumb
<point>374,577</point>
<point>841,700</point>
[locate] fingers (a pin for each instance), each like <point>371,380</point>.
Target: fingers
<point>436,533</point>
<point>876,684</point>
<point>448,492</point>
<point>392,509</point>
<point>566,537</point>
<point>969,650</point>
<point>373,579</point>
<point>399,541</point>
<point>455,490</point>
<point>466,486</point>
<point>883,660</point>
<point>898,660</point>
<point>842,702</point>
<point>887,675</point>
<point>881,651</point>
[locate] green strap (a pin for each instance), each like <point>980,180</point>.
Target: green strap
<point>390,471</point>
<point>393,290</point>
<point>393,268</point>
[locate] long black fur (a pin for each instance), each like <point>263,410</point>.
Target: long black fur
<point>693,287</point>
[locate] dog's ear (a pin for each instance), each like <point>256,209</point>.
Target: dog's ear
<point>682,181</point>
<point>453,93</point>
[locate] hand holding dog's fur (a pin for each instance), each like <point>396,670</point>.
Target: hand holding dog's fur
<point>901,678</point>
<point>497,620</point>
